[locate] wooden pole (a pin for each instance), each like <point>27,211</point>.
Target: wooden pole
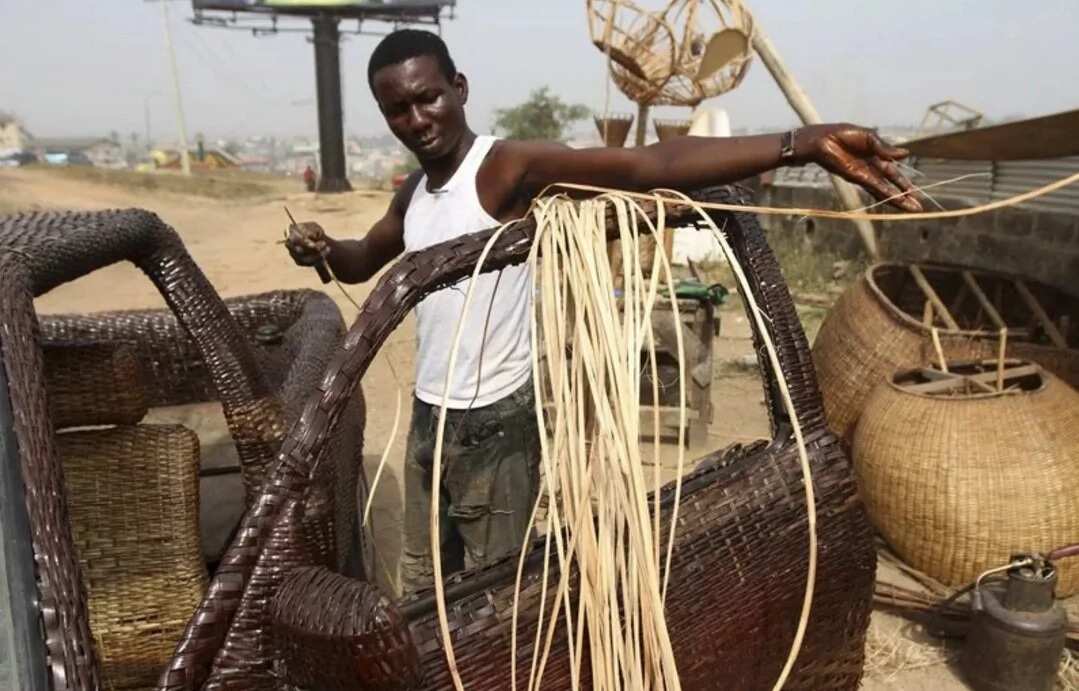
<point>181,124</point>
<point>798,99</point>
<point>642,122</point>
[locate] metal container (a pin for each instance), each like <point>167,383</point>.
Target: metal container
<point>1017,631</point>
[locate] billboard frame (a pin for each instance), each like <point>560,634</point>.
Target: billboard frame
<point>324,23</point>
<point>264,19</point>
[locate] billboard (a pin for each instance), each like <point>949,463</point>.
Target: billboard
<point>388,7</point>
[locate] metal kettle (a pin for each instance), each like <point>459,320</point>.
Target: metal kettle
<point>1017,630</point>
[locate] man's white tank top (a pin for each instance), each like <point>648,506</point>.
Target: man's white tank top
<point>487,369</point>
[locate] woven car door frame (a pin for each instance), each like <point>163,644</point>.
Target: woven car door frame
<point>740,555</point>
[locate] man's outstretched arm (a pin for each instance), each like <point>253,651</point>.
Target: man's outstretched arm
<point>686,163</point>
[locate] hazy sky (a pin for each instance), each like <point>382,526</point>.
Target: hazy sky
<point>73,67</point>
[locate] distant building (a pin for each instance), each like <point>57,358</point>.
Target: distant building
<point>13,136</point>
<point>100,151</point>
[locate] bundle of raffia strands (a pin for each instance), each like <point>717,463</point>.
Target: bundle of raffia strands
<point>604,552</point>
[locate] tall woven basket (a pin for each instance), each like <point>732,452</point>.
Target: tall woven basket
<point>958,483</point>
<point>878,328</point>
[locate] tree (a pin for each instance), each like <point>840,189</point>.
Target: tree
<point>542,116</point>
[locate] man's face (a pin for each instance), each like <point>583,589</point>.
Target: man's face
<point>424,110</point>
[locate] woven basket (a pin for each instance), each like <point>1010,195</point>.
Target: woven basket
<point>133,498</point>
<point>958,484</point>
<point>867,337</point>
<point>94,384</point>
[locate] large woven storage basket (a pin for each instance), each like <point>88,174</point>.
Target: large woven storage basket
<point>867,337</point>
<point>957,485</point>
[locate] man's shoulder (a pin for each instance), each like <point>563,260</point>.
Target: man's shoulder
<point>403,196</point>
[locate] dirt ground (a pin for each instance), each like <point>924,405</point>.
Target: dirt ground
<point>234,241</point>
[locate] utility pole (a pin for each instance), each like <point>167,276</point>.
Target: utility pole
<point>331,127</point>
<point>185,159</point>
<point>798,99</point>
<point>146,117</point>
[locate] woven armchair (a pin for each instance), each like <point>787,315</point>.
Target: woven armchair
<point>259,356</point>
<point>280,620</point>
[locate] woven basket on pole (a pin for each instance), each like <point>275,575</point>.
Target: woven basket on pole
<point>878,328</point>
<point>957,483</point>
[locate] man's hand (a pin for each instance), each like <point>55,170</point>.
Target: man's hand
<point>308,243</point>
<point>858,155</point>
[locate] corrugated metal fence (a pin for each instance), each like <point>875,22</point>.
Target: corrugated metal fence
<point>1002,179</point>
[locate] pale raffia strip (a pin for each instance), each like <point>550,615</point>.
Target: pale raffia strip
<point>436,471</point>
<point>618,648</point>
<point>803,457</point>
<point>853,215</point>
<point>382,461</point>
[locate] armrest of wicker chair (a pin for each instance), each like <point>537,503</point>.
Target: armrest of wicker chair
<point>230,635</point>
<point>335,633</point>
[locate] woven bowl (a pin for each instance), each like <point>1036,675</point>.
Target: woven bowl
<point>871,333</point>
<point>958,484</point>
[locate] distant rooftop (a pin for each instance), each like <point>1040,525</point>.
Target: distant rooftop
<point>69,143</point>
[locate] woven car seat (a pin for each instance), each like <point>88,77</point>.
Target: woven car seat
<point>132,493</point>
<point>133,498</point>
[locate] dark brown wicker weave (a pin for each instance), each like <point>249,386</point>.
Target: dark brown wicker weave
<point>278,617</point>
<point>259,356</point>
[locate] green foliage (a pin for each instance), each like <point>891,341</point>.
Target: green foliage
<point>542,116</point>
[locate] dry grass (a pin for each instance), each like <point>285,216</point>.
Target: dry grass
<point>891,653</point>
<point>1068,676</point>
<point>216,185</point>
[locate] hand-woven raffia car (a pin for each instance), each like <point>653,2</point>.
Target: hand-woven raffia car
<point>283,610</point>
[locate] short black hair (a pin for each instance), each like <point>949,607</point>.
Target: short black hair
<point>410,43</point>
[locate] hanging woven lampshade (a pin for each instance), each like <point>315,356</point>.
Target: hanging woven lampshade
<point>680,54</point>
<point>614,128</point>
<point>959,471</point>
<point>669,129</point>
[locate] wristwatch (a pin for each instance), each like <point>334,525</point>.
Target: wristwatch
<point>786,148</point>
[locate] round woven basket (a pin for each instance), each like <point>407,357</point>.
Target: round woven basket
<point>871,333</point>
<point>958,483</point>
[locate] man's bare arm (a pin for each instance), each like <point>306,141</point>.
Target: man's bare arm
<point>685,163</point>
<point>356,261</point>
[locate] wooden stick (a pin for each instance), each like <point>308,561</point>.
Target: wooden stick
<point>939,349</point>
<point>959,299</point>
<point>1032,303</point>
<point>799,100</point>
<point>982,378</point>
<point>971,282</point>
<point>931,294</point>
<point>1000,357</point>
<point>937,375</point>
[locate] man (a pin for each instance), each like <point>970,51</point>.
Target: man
<point>468,183</point>
<point>309,178</point>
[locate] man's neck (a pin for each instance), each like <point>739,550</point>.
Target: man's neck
<point>440,170</point>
